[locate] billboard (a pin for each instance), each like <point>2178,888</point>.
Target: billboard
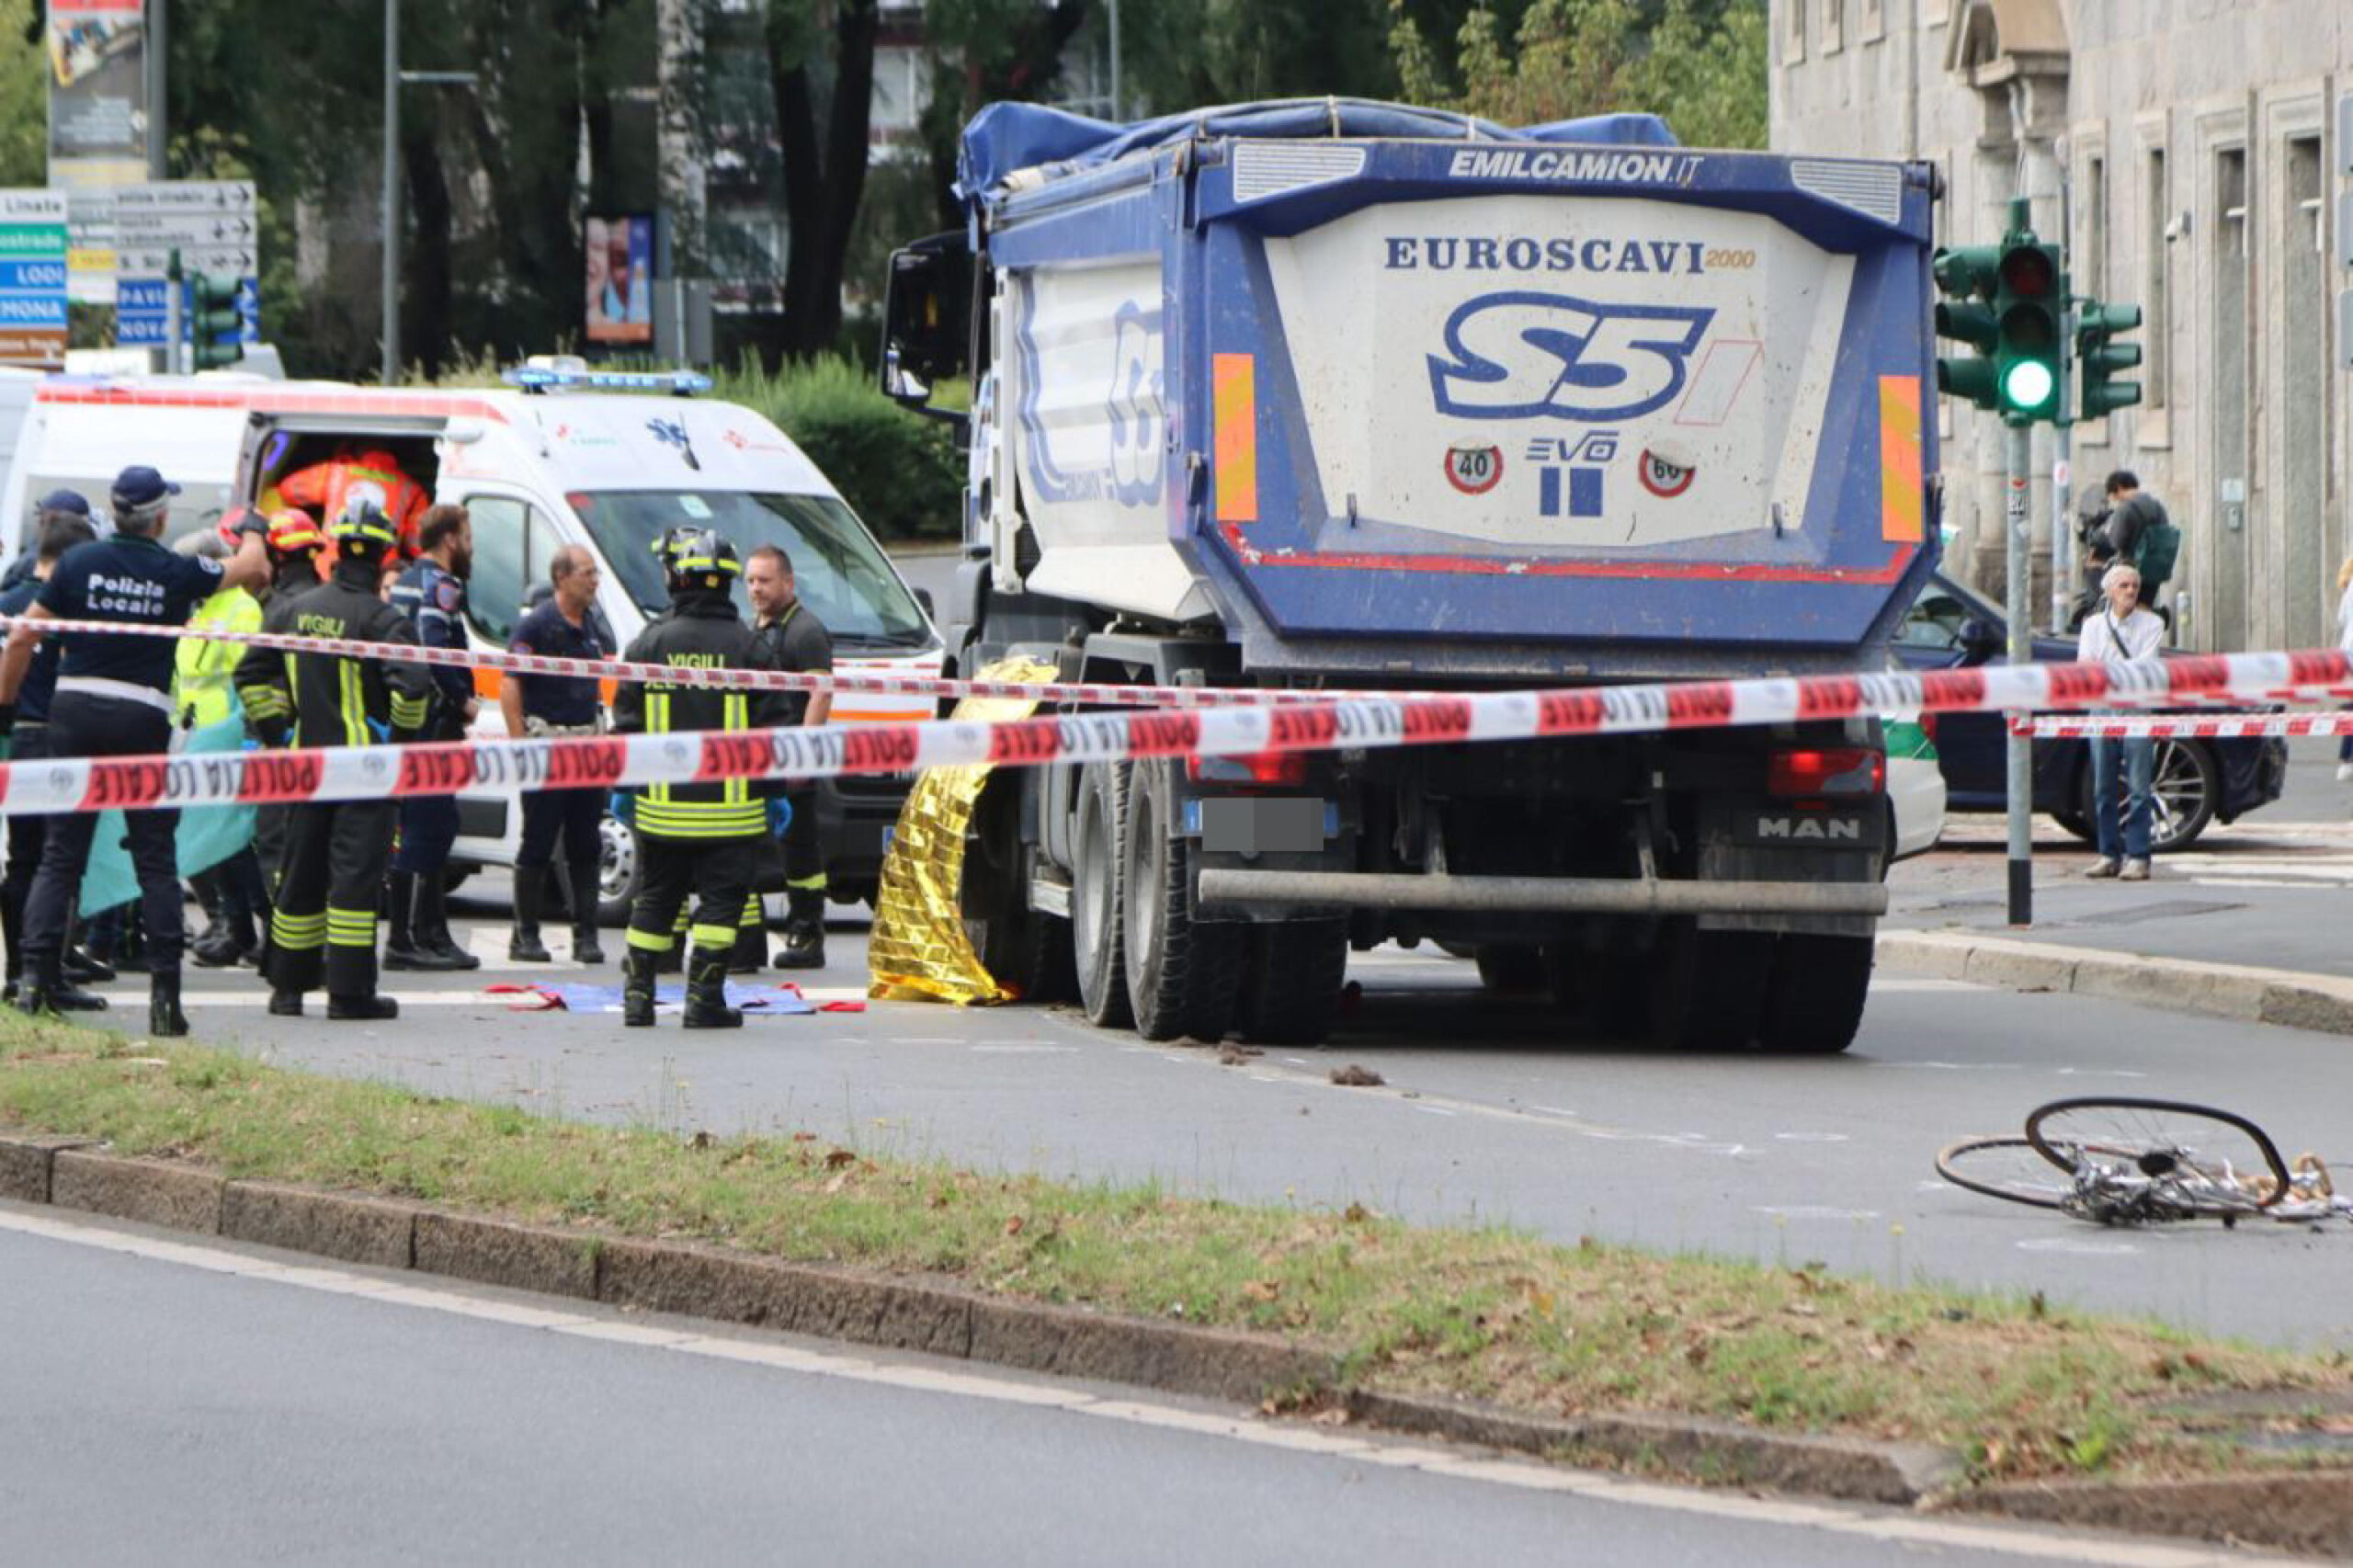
<point>621,280</point>
<point>97,92</point>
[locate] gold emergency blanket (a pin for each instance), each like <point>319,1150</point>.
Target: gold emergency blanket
<point>918,949</point>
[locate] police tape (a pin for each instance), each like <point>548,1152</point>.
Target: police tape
<point>608,761</point>
<point>2180,726</point>
<point>1089,694</point>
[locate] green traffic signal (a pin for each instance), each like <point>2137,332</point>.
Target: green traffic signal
<point>216,326</point>
<point>2028,300</point>
<point>2100,359</point>
<point>1967,276</point>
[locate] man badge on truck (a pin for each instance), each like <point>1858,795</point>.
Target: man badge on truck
<point>1474,470</point>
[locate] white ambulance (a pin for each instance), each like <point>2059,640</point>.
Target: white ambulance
<point>565,455</point>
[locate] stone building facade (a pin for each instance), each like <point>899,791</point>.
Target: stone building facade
<point>2194,155</point>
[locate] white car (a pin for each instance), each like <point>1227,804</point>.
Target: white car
<point>1915,786</point>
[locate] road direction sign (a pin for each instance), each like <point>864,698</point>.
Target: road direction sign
<point>32,276</point>
<point>212,224</point>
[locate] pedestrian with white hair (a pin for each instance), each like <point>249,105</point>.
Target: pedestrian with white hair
<point>2122,632</point>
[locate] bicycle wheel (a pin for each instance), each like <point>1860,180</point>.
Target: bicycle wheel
<point>2009,1168</point>
<point>2206,1161</point>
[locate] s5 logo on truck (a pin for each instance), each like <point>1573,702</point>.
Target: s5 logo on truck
<point>1520,355</point>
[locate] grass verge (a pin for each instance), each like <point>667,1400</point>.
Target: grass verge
<point>1556,1330</point>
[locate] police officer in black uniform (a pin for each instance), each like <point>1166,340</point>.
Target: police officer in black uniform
<point>113,699</point>
<point>694,837</point>
<point>63,522</point>
<point>332,871</point>
<point>431,594</point>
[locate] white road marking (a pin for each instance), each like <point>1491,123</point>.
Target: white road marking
<point>1027,1050</point>
<point>2077,1248</point>
<point>1811,1211</point>
<point>1361,1447</point>
<point>1810,1137</point>
<point>1891,983</point>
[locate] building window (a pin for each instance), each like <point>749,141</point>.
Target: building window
<point>1834,24</point>
<point>1871,24</point>
<point>1793,30</point>
<point>2157,315</point>
<point>2091,262</point>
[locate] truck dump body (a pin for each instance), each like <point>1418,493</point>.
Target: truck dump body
<point>1392,394</point>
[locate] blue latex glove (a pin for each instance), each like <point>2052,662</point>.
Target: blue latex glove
<point>383,733</point>
<point>622,808</point>
<point>779,816</point>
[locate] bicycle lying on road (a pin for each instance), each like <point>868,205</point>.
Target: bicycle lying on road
<point>2137,1161</point>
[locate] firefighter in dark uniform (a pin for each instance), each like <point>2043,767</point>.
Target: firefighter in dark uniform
<point>324,923</point>
<point>431,594</point>
<point>113,699</point>
<point>699,838</point>
<point>795,639</point>
<point>295,543</point>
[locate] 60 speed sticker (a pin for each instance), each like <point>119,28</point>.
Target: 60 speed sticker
<point>1662,478</point>
<point>1474,470</point>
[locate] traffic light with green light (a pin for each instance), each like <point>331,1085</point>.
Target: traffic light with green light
<point>2029,306</point>
<point>215,326</point>
<point>1967,278</point>
<point>2099,358</point>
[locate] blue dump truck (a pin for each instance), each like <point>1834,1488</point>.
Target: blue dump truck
<point>1331,395</point>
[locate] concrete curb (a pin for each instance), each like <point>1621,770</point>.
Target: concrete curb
<point>2310,1513</point>
<point>911,1313</point>
<point>1900,1473</point>
<point>2317,1002</point>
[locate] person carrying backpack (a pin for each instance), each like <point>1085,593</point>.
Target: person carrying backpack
<point>2139,534</point>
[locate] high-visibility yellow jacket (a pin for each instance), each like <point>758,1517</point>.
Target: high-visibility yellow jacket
<point>204,678</point>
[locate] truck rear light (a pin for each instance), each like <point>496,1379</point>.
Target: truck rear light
<point>1285,769</point>
<point>1836,770</point>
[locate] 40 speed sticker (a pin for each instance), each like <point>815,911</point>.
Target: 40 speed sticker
<point>1474,470</point>
<point>1662,478</point>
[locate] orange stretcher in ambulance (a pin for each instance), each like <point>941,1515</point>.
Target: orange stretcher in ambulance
<point>566,455</point>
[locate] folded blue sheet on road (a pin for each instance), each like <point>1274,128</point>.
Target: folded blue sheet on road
<point>757,1001</point>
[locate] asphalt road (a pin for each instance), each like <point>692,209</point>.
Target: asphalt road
<point>1487,1114</point>
<point>201,1405</point>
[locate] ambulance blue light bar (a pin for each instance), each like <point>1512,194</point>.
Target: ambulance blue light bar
<point>549,378</point>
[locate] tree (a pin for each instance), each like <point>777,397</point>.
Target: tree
<point>821,65</point>
<point>1701,65</point>
<point>24,96</point>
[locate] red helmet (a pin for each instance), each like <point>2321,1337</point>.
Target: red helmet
<point>291,531</point>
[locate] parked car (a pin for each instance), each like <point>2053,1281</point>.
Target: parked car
<point>2199,781</point>
<point>1915,786</point>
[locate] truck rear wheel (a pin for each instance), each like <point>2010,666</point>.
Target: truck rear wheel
<point>1706,987</point>
<point>1508,969</point>
<point>1292,979</point>
<point>1181,972</point>
<point>1099,916</point>
<point>1813,1003</point>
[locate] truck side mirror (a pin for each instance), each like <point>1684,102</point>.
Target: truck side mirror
<point>927,318</point>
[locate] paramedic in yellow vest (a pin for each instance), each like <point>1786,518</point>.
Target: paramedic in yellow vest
<point>204,691</point>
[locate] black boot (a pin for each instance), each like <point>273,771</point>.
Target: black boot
<point>12,932</point>
<point>804,930</point>
<point>401,950</point>
<point>586,948</point>
<point>637,987</point>
<point>163,1016</point>
<point>284,1003</point>
<point>706,1006</point>
<point>530,897</point>
<point>436,948</point>
<point>86,968</point>
<point>362,1008</point>
<point>45,990</point>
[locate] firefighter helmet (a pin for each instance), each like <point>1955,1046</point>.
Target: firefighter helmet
<point>362,529</point>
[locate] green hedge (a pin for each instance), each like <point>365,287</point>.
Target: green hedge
<point>900,472</point>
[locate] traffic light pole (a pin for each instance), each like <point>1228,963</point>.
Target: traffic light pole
<point>2018,447</point>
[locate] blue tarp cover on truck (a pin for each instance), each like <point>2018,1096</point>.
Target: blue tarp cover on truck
<point>1008,136</point>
